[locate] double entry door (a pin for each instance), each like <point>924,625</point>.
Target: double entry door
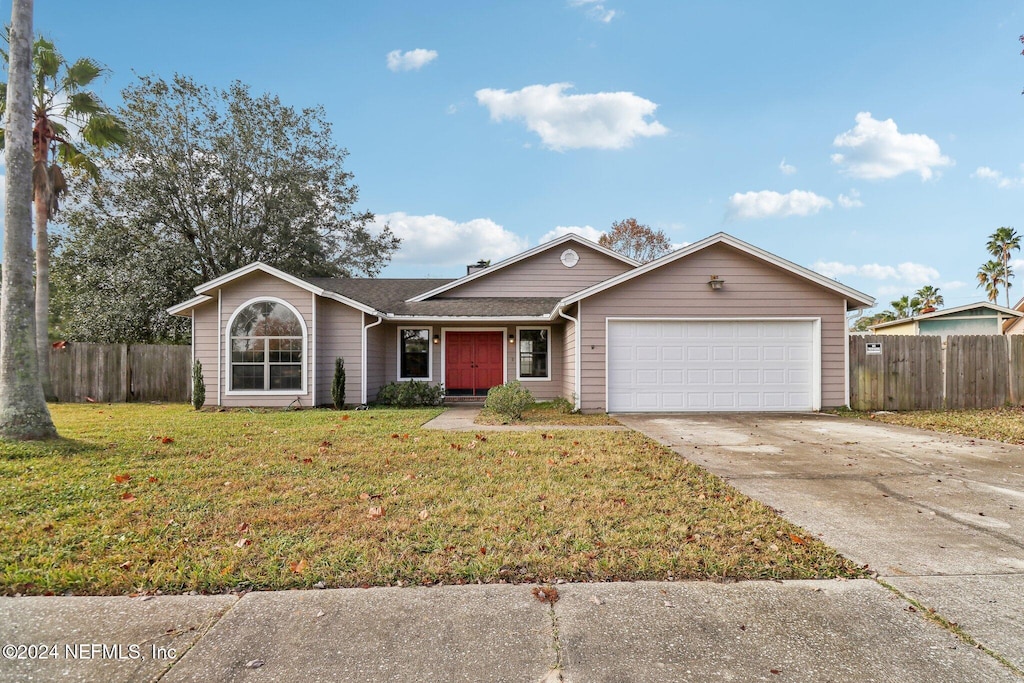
<point>474,362</point>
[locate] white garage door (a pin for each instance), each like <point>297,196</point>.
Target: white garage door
<point>680,365</point>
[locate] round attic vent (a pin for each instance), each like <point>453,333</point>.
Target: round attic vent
<point>570,258</point>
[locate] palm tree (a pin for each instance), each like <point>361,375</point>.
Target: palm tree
<point>1000,244</point>
<point>906,307</point>
<point>930,297</point>
<point>23,411</point>
<point>62,106</point>
<point>991,277</point>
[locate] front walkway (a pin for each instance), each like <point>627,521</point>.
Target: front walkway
<point>461,419</point>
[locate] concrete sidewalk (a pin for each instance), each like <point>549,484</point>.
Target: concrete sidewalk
<point>680,631</point>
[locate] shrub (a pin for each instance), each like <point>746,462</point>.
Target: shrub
<point>338,385</point>
<point>198,386</point>
<point>509,400</point>
<point>562,405</point>
<point>410,394</point>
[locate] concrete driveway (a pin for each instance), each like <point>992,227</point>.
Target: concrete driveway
<point>938,517</point>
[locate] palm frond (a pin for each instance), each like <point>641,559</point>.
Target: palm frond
<point>45,59</point>
<point>104,130</point>
<point>82,73</point>
<point>81,105</point>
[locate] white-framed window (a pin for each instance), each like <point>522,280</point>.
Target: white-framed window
<point>266,342</point>
<point>415,353</point>
<point>533,353</point>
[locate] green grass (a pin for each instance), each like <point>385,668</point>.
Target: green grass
<point>546,413</point>
<point>998,424</point>
<point>300,488</point>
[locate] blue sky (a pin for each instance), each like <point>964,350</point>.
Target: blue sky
<point>879,142</point>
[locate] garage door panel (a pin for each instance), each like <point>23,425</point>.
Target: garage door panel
<point>711,365</point>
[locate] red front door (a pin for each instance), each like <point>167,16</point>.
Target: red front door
<point>474,361</point>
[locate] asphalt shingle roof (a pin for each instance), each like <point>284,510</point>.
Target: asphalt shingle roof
<point>389,296</point>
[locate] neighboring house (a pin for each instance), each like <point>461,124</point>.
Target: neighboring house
<point>1015,325</point>
<point>980,318</point>
<point>716,325</point>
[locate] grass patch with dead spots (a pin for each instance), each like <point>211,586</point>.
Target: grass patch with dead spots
<point>997,424</point>
<point>547,413</point>
<point>139,498</point>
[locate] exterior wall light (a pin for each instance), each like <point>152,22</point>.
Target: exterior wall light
<point>715,283</point>
<point>437,339</point>
<point>511,339</point>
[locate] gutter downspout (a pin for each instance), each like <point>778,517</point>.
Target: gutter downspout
<point>576,355</point>
<point>380,319</point>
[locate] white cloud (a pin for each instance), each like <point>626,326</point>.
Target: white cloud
<point>604,120</point>
<point>850,201</point>
<point>876,150</point>
<point>585,231</point>
<point>997,178</point>
<point>908,272</point>
<point>767,203</point>
<point>436,240</point>
<point>411,60</point>
<point>787,169</point>
<point>595,9</point>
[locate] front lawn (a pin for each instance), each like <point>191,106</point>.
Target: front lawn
<point>141,498</point>
<point>998,424</point>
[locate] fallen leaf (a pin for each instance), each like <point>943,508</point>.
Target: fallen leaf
<point>325,444</point>
<point>125,565</point>
<point>344,417</point>
<point>127,497</point>
<point>483,551</point>
<point>546,594</point>
<point>364,496</point>
<point>307,461</point>
<point>254,664</point>
<point>121,478</point>
<point>775,671</point>
<point>345,477</point>
<point>152,480</point>
<point>298,567</point>
<point>395,436</point>
<point>90,399</point>
<point>596,600</point>
<point>409,475</point>
<point>375,512</point>
<point>242,527</point>
<point>242,542</point>
<point>796,539</point>
<point>424,515</point>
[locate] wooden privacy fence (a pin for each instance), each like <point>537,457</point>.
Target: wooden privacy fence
<point>119,373</point>
<point>895,372</point>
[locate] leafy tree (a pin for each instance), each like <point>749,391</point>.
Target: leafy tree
<point>23,411</point>
<point>906,306</point>
<point>62,104</point>
<point>867,322</point>
<point>991,276</point>
<point>210,180</point>
<point>1001,244</point>
<point>636,240</point>
<point>930,297</point>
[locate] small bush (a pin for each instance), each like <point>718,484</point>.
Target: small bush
<point>509,400</point>
<point>410,394</point>
<point>562,405</point>
<point>338,385</point>
<point>198,386</point>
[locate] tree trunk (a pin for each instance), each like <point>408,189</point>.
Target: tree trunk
<point>43,296</point>
<point>23,411</point>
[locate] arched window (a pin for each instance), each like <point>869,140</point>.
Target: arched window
<point>266,348</point>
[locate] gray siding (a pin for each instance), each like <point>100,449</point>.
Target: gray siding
<point>752,289</point>
<point>569,355</point>
<point>544,275</point>
<point>204,336</point>
<point>339,335</point>
<point>376,353</point>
